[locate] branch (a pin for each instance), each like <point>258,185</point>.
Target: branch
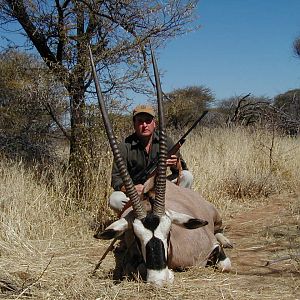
<point>60,28</point>
<point>19,12</point>
<point>274,261</point>
<point>52,114</point>
<point>39,277</point>
<point>237,109</point>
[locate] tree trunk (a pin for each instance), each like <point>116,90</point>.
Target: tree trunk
<point>78,143</point>
<point>78,160</point>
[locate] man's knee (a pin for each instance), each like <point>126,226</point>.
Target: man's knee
<point>117,201</point>
<point>186,179</point>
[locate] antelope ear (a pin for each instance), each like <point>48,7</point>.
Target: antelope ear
<point>185,221</point>
<point>114,230</point>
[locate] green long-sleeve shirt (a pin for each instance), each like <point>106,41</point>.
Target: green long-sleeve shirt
<point>137,159</point>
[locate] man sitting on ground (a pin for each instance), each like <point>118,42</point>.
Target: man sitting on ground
<point>138,150</point>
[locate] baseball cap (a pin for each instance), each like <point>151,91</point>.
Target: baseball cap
<point>146,109</point>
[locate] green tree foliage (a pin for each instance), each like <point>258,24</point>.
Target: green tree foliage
<point>183,106</point>
<point>27,95</point>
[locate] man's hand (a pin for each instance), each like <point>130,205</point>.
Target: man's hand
<point>172,161</point>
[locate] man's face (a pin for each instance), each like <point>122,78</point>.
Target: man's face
<point>144,125</point>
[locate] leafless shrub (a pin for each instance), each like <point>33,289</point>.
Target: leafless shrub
<point>262,113</point>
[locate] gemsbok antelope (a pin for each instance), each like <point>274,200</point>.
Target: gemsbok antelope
<point>167,227</point>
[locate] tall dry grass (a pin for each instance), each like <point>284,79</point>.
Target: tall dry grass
<point>38,230</point>
<point>46,246</point>
<point>236,165</point>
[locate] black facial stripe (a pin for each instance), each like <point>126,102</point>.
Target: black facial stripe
<point>213,257</point>
<point>155,254</point>
<point>138,243</point>
<point>151,222</point>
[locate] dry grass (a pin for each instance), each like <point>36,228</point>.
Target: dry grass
<point>47,250</point>
<point>236,166</point>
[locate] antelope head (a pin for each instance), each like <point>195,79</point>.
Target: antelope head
<point>151,228</point>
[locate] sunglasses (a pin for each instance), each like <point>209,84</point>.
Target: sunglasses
<point>143,119</point>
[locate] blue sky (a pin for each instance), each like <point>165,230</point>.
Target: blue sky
<point>243,46</point>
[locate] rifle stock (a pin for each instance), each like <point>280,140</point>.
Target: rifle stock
<point>151,168</point>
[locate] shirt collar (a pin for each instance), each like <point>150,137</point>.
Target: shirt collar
<point>136,140</point>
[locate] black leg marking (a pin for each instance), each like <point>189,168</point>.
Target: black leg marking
<point>222,255</point>
<point>217,255</point>
<point>213,258</point>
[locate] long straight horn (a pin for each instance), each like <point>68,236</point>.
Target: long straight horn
<point>160,184</point>
<point>130,188</point>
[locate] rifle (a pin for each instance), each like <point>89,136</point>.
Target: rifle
<point>152,166</point>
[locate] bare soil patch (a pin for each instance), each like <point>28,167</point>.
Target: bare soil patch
<point>264,236</point>
<point>266,255</point>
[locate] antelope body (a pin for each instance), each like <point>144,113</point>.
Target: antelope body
<point>154,245</point>
<point>191,247</point>
<point>190,241</point>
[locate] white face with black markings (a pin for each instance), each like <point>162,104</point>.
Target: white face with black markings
<point>152,233</point>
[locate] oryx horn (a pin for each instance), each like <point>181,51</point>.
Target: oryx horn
<point>130,188</point>
<point>160,183</point>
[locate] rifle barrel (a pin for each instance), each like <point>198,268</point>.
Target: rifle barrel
<point>153,164</point>
<point>194,124</point>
